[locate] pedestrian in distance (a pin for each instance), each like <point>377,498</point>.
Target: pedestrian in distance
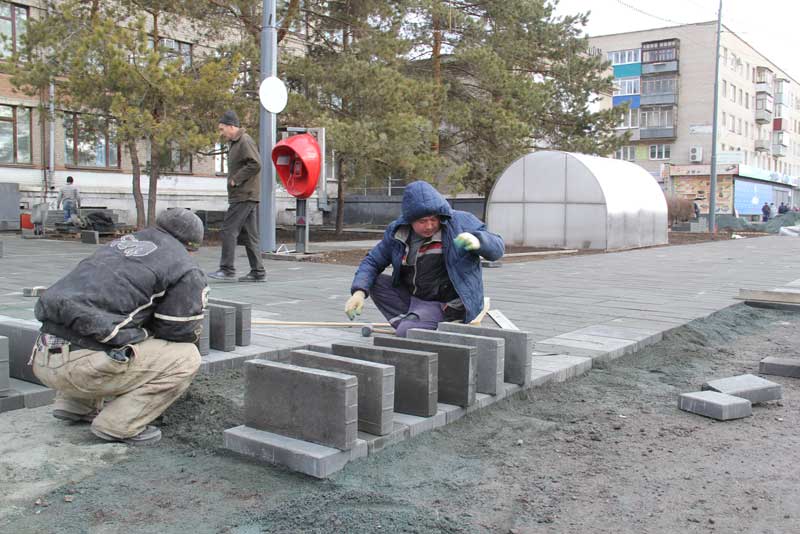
<point>765,212</point>
<point>244,194</point>
<point>122,325</point>
<point>435,253</point>
<point>70,198</point>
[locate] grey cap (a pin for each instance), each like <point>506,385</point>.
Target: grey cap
<point>230,118</point>
<point>183,225</point>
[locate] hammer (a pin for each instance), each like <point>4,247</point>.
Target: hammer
<point>368,330</point>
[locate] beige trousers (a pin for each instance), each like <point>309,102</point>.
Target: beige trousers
<point>141,388</point>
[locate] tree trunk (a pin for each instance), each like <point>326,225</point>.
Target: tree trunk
<point>155,171</point>
<point>436,57</point>
<point>340,197</point>
<point>137,185</point>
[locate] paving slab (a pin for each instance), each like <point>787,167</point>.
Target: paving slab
<point>540,377</point>
<point>301,456</point>
<point>458,367</point>
<point>33,395</point>
<point>518,348</point>
<point>375,387</point>
<point>4,367</point>
<point>643,336</point>
<point>375,443</point>
<point>606,348</point>
<point>416,375</point>
<point>90,237</point>
<point>306,404</point>
<point>491,354</point>
<point>563,367</point>
<point>452,412</point>
<point>750,387</point>
<point>216,361</point>
<point>21,338</point>
<point>772,365</point>
<point>222,327</point>
<point>204,341</point>
<point>715,405</point>
<point>418,425</point>
<point>13,401</point>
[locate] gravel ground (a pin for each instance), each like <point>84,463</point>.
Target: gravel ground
<point>607,452</point>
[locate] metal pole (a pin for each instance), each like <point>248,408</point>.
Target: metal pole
<point>267,130</point>
<point>712,193</point>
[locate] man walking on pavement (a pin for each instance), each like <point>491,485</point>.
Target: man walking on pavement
<point>244,194</point>
<point>435,253</point>
<point>122,325</point>
<point>71,199</point>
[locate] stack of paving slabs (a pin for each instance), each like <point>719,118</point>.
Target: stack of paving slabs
<point>316,409</point>
<point>730,398</point>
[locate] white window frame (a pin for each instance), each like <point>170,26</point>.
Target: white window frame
<point>658,117</point>
<point>625,57</point>
<point>626,153</point>
<point>627,86</point>
<point>660,151</point>
<point>630,119</point>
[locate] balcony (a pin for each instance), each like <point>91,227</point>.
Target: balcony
<point>664,67</point>
<point>633,131</point>
<point>779,151</point>
<point>658,99</point>
<point>764,87</point>
<point>763,116</point>
<point>763,145</point>
<point>666,132</point>
<point>781,125</point>
<point>781,99</point>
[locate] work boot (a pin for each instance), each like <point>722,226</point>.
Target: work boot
<point>222,275</point>
<point>64,415</point>
<point>254,277</point>
<point>148,436</point>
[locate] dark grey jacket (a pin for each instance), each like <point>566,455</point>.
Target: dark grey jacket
<point>142,285</point>
<point>244,169</point>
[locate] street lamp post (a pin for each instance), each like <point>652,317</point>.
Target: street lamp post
<point>267,130</point>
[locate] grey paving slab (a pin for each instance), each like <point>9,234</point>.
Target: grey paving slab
<point>375,386</point>
<point>750,387</point>
<point>301,456</point>
<point>13,401</point>
<point>562,367</point>
<point>789,367</point>
<point>518,348</point>
<point>416,375</point>
<point>458,367</point>
<point>306,404</point>
<point>222,329</point>
<point>715,405</point>
<point>491,355</point>
<point>204,341</point>
<point>21,338</point>
<point>33,395</point>
<point>4,367</point>
<point>418,425</point>
<point>378,443</point>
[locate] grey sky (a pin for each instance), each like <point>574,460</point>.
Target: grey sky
<point>770,26</point>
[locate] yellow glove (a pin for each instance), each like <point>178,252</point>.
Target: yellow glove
<point>467,241</point>
<point>355,304</point>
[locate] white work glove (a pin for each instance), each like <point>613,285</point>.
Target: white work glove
<point>467,241</point>
<point>355,304</point>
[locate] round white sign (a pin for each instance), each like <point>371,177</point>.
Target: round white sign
<point>273,94</point>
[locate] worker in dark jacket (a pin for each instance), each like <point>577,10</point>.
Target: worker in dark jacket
<point>435,253</point>
<point>123,325</point>
<point>244,195</point>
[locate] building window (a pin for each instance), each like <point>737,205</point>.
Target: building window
<point>626,86</point>
<point>740,97</point>
<point>630,119</point>
<point>660,151</point>
<point>764,102</point>
<point>724,88</point>
<point>173,160</point>
<point>731,124</point>
<point>739,126</point>
<point>13,24</point>
<point>747,100</point>
<point>733,93</point>
<point>89,141</point>
<point>172,49</point>
<point>659,86</point>
<point>746,129</point>
<point>15,135</point>
<point>627,153</point>
<point>660,117</point>
<point>221,159</point>
<point>622,57</point>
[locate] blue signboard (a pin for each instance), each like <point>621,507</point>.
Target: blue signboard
<point>749,197</point>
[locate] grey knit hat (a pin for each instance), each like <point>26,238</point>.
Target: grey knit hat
<point>183,225</point>
<point>230,118</point>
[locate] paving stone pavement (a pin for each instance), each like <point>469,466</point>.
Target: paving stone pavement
<point>654,289</point>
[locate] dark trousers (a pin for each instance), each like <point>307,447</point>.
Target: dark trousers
<point>403,310</point>
<point>241,225</point>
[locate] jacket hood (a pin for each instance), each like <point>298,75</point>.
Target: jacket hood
<point>420,199</point>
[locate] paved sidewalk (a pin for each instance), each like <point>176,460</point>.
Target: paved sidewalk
<point>661,287</point>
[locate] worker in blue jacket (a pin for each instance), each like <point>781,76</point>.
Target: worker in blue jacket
<point>435,253</point>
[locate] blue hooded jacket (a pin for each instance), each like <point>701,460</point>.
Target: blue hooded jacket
<point>420,199</point>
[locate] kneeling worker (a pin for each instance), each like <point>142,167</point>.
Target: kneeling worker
<point>435,253</point>
<point>122,325</point>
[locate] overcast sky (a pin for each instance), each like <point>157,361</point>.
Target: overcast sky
<point>770,26</point>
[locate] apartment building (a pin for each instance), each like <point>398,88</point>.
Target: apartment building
<point>38,154</point>
<point>665,77</point>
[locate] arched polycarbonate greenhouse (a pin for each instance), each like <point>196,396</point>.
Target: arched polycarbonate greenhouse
<point>562,199</point>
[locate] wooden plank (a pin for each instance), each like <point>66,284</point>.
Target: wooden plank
<point>501,320</point>
<point>781,297</point>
